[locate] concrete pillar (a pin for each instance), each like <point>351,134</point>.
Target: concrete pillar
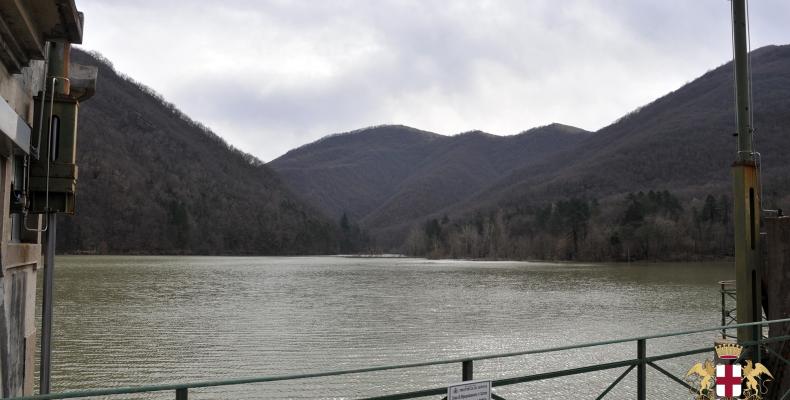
<point>776,281</point>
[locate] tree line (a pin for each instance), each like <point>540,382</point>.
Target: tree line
<point>652,225</point>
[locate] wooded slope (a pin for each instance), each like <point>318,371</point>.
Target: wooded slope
<point>153,181</point>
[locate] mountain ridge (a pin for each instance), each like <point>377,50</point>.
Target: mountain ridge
<point>681,141</point>
<point>154,181</point>
<point>707,129</point>
<point>431,170</point>
<point>176,187</point>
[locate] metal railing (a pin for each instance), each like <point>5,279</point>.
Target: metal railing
<point>641,363</point>
<point>728,309</point>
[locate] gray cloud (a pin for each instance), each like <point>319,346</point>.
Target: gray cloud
<point>271,75</point>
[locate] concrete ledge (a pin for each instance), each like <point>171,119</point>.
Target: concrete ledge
<point>21,254</point>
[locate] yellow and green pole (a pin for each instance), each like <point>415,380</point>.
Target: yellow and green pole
<point>746,185</point>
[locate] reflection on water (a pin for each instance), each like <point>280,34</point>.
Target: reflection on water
<point>123,321</point>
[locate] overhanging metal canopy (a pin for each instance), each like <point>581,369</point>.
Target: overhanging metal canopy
<point>25,25</point>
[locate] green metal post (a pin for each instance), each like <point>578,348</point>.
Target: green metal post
<point>467,370</point>
<point>746,194</point>
<point>47,294</point>
<point>182,394</point>
<point>723,310</point>
<point>57,67</point>
<point>641,370</point>
<point>743,93</point>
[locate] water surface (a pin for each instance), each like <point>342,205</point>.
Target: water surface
<point>122,321</point>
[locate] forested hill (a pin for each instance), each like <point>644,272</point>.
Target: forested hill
<point>389,177</point>
<point>355,172</point>
<point>152,181</point>
<point>681,142</point>
<point>656,184</point>
<point>653,184</point>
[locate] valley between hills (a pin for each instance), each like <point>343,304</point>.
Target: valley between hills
<point>653,185</point>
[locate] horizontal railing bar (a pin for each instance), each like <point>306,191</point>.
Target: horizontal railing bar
<point>565,372</point>
<point>514,380</point>
<point>678,354</point>
<point>240,381</point>
<point>549,375</point>
<point>766,340</point>
<point>409,395</point>
<point>554,374</point>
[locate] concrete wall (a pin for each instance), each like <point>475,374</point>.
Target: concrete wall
<point>19,253</point>
<point>776,288</point>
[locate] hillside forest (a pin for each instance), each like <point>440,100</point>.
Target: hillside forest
<point>641,226</point>
<point>653,185</point>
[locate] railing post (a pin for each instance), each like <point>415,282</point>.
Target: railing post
<point>723,310</point>
<point>758,335</point>
<point>182,394</point>
<point>467,370</point>
<point>641,370</point>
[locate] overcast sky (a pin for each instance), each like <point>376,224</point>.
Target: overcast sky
<point>269,76</point>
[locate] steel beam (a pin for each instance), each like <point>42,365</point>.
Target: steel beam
<point>746,187</point>
<point>46,312</point>
<point>746,216</point>
<point>743,102</point>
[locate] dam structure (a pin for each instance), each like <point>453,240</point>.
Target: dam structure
<point>38,130</point>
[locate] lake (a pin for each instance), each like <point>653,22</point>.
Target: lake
<point>122,321</point>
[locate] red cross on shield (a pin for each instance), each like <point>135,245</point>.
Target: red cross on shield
<point>728,380</point>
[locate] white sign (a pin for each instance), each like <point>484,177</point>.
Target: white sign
<point>470,390</point>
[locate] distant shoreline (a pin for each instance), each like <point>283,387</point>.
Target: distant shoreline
<point>399,256</point>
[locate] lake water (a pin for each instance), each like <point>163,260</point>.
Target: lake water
<point>122,321</point>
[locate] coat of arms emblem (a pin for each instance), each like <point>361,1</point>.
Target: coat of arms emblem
<point>728,379</point>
